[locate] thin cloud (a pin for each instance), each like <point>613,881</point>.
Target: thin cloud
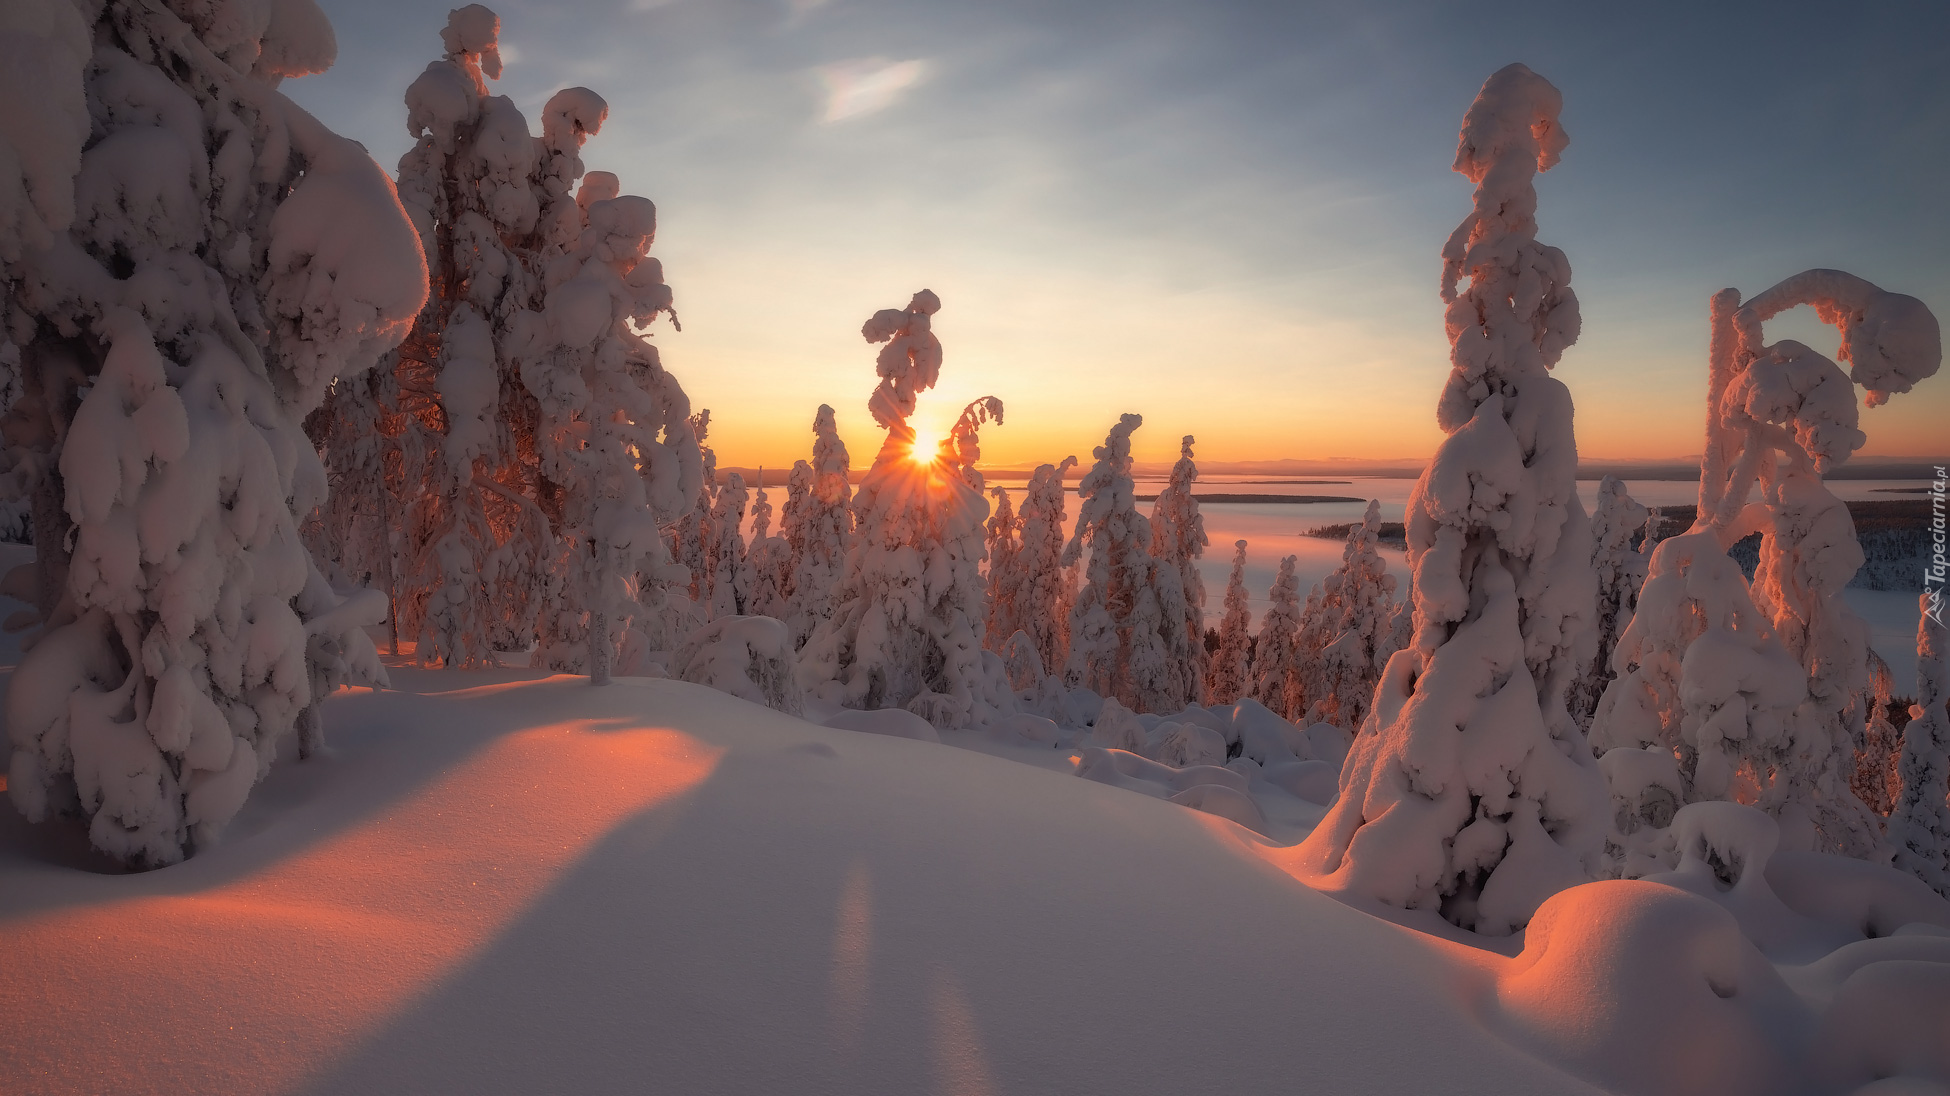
<point>866,85</point>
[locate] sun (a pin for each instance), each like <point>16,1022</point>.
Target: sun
<point>929,429</point>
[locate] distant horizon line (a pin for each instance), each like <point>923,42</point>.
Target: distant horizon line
<point>1652,468</point>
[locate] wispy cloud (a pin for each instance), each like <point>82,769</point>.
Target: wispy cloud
<point>866,85</point>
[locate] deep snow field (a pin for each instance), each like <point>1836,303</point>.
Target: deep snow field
<point>504,882</point>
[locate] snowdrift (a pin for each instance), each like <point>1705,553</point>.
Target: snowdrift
<point>535,886</point>
<point>529,885</point>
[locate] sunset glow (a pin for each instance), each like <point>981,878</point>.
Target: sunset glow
<point>319,950</point>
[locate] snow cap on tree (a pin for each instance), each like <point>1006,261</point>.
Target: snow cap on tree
<point>1472,791</point>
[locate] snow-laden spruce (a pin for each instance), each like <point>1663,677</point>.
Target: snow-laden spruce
<point>1231,663</point>
<point>768,560</point>
<point>413,446</point>
<point>907,626</point>
<point>818,524</point>
<point>614,436</point>
<point>183,291</point>
<point>689,537</point>
<point>1122,645</point>
<point>1620,571</point>
<point>1356,611</point>
<point>1178,540</point>
<point>1761,689</point>
<point>725,565</point>
<point>1034,583</point>
<point>1276,676</point>
<point>1919,825</point>
<point>1002,544</point>
<point>1472,790</point>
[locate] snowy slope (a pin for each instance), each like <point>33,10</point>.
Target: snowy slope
<point>542,887</point>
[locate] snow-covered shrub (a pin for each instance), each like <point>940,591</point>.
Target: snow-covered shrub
<point>1646,792</point>
<point>1231,664</point>
<point>818,524</point>
<point>907,626</point>
<point>1471,790</point>
<point>1178,540</point>
<point>1276,672</point>
<point>1121,643</point>
<point>749,657</point>
<point>1620,571</point>
<point>1919,824</point>
<point>183,292</point>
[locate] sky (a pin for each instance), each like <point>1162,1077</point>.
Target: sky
<point>1224,216</point>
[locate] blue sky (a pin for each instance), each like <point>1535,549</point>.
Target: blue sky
<point>1226,217</point>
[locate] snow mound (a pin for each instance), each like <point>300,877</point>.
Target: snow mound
<point>749,657</point>
<point>892,722</point>
<point>1643,988</point>
<point>1210,788</point>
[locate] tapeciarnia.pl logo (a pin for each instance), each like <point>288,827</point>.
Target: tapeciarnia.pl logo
<point>1934,571</point>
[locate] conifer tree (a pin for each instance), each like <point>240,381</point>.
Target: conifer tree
<point>189,260</point>
<point>1232,662</point>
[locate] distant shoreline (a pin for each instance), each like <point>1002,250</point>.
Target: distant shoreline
<point>1261,498</point>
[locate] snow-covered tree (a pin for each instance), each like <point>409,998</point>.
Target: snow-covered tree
<point>1620,571</point>
<point>1276,673</point>
<point>1232,662</point>
<point>432,454</point>
<point>1003,544</point>
<point>1034,582</point>
<point>1358,599</point>
<point>1919,826</point>
<point>614,435</point>
<point>190,259</point>
<point>818,524</point>
<point>690,537</point>
<point>907,628</point>
<point>1759,689</point>
<point>768,560</point>
<point>724,557</point>
<point>1178,540</point>
<point>1877,779</point>
<point>1471,791</point>
<point>1121,643</point>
